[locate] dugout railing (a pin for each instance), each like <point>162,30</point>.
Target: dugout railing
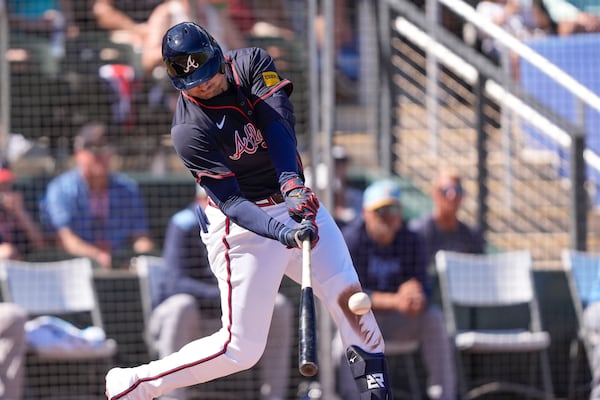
<point>450,85</point>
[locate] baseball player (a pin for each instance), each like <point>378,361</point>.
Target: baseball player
<point>234,130</point>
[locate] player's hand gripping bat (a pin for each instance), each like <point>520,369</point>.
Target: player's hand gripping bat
<point>307,348</point>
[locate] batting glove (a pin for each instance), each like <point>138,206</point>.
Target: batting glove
<point>293,238</point>
<point>301,201</point>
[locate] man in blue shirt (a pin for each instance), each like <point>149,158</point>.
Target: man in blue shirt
<point>94,212</point>
<point>391,264</point>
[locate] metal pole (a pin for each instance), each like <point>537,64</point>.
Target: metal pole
<point>313,85</point>
<point>432,68</point>
<point>383,101</point>
<point>579,200</point>
<point>5,127</point>
<point>482,155</point>
<point>327,368</point>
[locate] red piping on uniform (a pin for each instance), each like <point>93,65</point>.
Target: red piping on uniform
<point>225,345</point>
<point>270,92</point>
<point>200,104</point>
<point>221,176</point>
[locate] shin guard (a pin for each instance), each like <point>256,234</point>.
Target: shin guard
<point>370,374</point>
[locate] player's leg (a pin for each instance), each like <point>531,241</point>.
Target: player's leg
<point>248,271</point>
<point>334,281</point>
<point>176,321</point>
<point>275,363</point>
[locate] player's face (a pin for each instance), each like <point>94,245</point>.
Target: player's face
<point>211,88</point>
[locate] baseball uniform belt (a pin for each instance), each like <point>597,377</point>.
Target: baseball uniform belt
<point>275,198</point>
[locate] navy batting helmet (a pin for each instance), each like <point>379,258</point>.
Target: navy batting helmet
<point>191,55</point>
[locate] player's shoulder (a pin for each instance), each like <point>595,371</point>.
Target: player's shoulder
<point>247,55</point>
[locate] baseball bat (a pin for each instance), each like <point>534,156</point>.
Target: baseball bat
<point>307,346</point>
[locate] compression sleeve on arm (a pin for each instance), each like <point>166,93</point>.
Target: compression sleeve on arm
<point>226,194</point>
<point>282,149</point>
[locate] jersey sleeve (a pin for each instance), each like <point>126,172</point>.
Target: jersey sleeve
<point>270,91</point>
<point>199,153</point>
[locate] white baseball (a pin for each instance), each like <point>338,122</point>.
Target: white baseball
<point>359,303</point>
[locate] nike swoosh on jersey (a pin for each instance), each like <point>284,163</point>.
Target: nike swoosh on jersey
<point>220,124</point>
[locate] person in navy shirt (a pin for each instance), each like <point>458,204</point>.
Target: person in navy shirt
<point>233,128</point>
<point>391,262</point>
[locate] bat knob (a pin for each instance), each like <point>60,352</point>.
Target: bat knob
<point>309,369</point>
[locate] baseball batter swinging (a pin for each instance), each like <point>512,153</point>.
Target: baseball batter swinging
<point>234,130</point>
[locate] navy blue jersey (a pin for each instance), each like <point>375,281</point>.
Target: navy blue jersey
<point>222,137</point>
<point>385,268</point>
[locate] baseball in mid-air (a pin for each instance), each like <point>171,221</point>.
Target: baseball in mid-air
<point>359,303</point>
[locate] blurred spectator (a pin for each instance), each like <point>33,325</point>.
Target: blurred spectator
<point>172,12</point>
<point>125,19</point>
<point>12,356</point>
<point>169,13</point>
<point>571,19</point>
<point>528,19</point>
<point>442,229</point>
<point>258,18</point>
<point>524,19</point>
<point>94,212</point>
<point>391,264</point>
<point>347,199</point>
<point>346,46</point>
<point>188,307</point>
<point>19,233</point>
<point>48,19</point>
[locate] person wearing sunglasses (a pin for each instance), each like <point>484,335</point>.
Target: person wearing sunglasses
<point>442,229</point>
<point>391,264</point>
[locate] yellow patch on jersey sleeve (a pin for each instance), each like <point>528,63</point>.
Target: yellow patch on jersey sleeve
<point>271,78</point>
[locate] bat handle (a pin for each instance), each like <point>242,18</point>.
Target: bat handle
<point>306,273</point>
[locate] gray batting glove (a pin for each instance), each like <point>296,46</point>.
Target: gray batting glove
<point>293,237</point>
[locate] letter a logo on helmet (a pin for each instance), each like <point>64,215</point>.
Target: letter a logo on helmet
<point>191,55</point>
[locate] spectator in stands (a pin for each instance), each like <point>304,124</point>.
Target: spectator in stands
<point>172,12</point>
<point>391,264</point>
<point>125,18</point>
<point>188,307</point>
<point>442,229</point>
<point>20,234</point>
<point>347,199</point>
<point>524,19</point>
<point>12,356</point>
<point>571,19</point>
<point>528,19</point>
<point>94,212</point>
<point>164,16</point>
<point>346,46</point>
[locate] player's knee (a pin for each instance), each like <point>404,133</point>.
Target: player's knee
<point>246,353</point>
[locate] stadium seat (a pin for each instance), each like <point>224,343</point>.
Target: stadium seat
<point>61,289</point>
<point>581,272</point>
<point>495,282</point>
